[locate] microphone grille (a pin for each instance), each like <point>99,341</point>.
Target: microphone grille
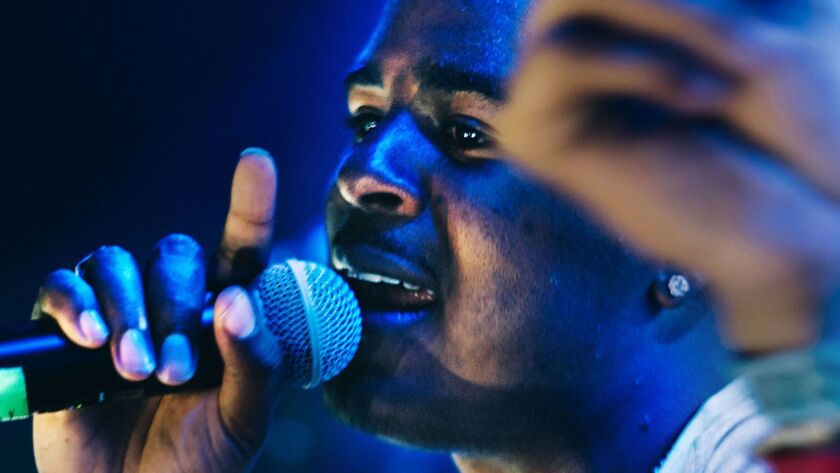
<point>314,316</point>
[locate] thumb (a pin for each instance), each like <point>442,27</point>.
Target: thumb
<point>252,373</point>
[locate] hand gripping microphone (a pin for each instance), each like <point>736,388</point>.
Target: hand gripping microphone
<point>310,310</point>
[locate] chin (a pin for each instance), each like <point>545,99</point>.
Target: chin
<point>390,412</point>
<point>442,413</point>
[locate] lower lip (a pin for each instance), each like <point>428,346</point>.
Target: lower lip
<point>398,318</point>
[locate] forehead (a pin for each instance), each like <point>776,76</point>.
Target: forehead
<point>468,35</point>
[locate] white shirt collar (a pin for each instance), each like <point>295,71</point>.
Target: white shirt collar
<point>721,436</point>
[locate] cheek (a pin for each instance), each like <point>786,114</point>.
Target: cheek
<point>492,318</point>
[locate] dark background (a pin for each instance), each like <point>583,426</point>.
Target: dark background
<point>121,122</point>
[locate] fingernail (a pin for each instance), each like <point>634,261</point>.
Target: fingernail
<point>135,355</point>
<point>254,150</point>
<point>176,359</point>
<point>237,316</point>
<point>93,327</point>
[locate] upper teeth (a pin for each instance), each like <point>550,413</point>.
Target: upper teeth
<point>343,266</point>
<point>380,279</point>
<point>369,277</point>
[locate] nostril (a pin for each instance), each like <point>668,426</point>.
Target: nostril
<point>381,201</point>
<point>376,194</point>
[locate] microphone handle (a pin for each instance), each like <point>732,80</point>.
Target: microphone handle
<point>43,371</point>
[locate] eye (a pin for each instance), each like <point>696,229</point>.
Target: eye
<point>363,121</point>
<point>469,136</point>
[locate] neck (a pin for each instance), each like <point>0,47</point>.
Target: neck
<point>518,464</point>
<point>635,445</point>
<point>634,435</point>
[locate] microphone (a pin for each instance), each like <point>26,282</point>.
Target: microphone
<point>311,311</point>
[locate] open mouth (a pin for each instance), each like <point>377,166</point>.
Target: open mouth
<point>390,296</point>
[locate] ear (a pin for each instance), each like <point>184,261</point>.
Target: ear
<point>678,303</point>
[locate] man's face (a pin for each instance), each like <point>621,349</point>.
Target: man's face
<point>493,310</point>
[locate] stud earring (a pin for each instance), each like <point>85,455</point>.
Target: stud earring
<point>671,288</point>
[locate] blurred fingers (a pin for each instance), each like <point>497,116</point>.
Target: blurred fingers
<point>690,26</point>
<point>765,67</point>
<point>791,107</point>
<point>581,73</point>
<point>175,294</point>
<point>543,117</point>
<point>582,53</point>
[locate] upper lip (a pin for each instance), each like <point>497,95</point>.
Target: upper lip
<point>371,262</point>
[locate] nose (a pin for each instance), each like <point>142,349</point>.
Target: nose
<point>376,195</point>
<point>382,176</point>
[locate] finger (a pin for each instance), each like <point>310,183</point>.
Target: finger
<point>246,239</point>
<point>580,77</point>
<point>791,107</point>
<point>175,293</point>
<point>113,274</point>
<point>69,300</point>
<point>785,99</point>
<point>580,74</point>
<point>252,372</point>
<point>692,26</point>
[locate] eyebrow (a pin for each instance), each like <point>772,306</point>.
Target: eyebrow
<point>447,78</point>
<point>368,74</point>
<point>452,79</point>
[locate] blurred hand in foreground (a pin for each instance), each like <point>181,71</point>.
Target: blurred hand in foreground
<point>703,132</point>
